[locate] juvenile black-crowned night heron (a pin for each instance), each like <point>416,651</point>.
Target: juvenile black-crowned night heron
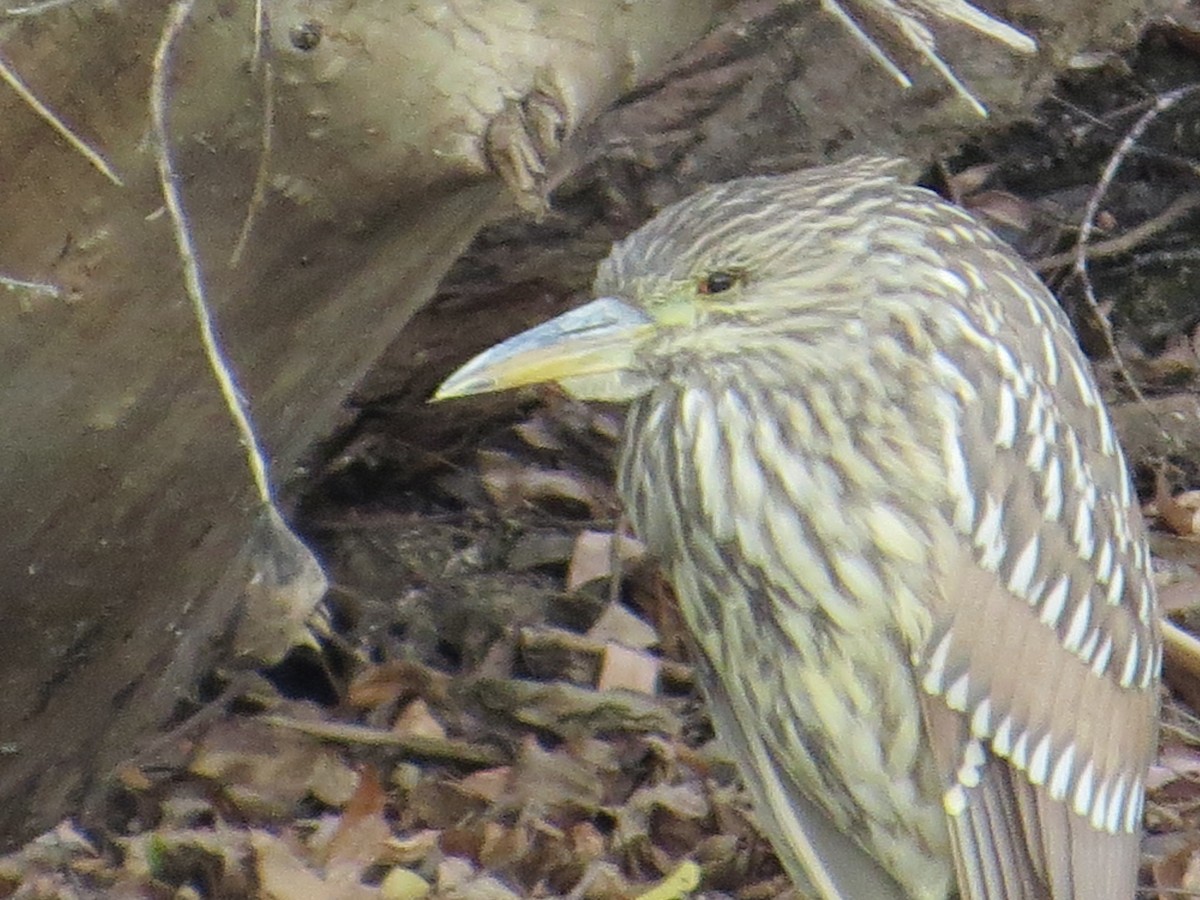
<point>872,460</point>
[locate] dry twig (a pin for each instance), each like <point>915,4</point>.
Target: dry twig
<point>1088,225</point>
<point>906,16</point>
<point>444,749</point>
<point>193,278</point>
<point>1128,241</point>
<point>261,28</point>
<point>47,115</point>
<point>1181,650</point>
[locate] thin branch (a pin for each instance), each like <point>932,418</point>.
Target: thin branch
<point>1130,240</point>
<point>193,280</point>
<point>869,43</point>
<point>260,28</point>
<point>1087,226</point>
<point>47,115</point>
<point>36,9</point>
<point>1181,650</point>
<point>424,746</point>
<point>906,15</point>
<point>259,193</point>
<point>36,287</point>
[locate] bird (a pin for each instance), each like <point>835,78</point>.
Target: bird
<point>867,451</point>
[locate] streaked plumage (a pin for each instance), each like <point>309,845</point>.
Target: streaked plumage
<point>879,475</point>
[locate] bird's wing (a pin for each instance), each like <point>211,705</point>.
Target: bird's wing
<point>1042,750</point>
<point>1041,670</point>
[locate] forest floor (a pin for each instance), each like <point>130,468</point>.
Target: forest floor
<point>498,701</point>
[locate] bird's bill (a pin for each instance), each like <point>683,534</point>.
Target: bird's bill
<point>584,345</point>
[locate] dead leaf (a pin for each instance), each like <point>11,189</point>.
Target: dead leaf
<point>483,887</point>
<point>685,801</point>
<point>414,849</point>
<point>572,712</point>
<point>362,831</point>
<point>1177,364</point>
<point>1177,513</point>
<point>969,181</point>
<point>503,846</point>
<point>282,875</point>
<point>396,682</point>
<point>512,484</point>
<point>593,555</point>
<point>587,843</point>
<point>487,784</point>
<point>415,720</point>
<point>546,781</point>
<point>403,884</point>
<point>332,780</point>
<point>1179,871</point>
<point>1179,596</point>
<point>617,624</point>
<point>267,771</point>
<point>540,433</point>
<point>435,803</point>
<point>632,670</point>
<point>1003,209</point>
<point>222,853</point>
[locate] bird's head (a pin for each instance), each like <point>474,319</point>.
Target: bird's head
<point>714,275</point>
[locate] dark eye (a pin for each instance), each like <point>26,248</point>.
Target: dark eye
<point>719,282</point>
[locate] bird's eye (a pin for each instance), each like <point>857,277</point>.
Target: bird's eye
<point>719,282</point>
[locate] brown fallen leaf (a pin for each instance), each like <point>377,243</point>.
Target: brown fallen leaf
<point>362,832</point>
<point>1178,513</point>
<point>488,784</point>
<point>628,669</point>
<point>503,846</point>
<point>594,554</point>
<point>458,879</point>
<point>396,682</point>
<point>415,720</point>
<point>969,181</point>
<point>569,711</point>
<point>267,771</point>
<point>1178,873</point>
<point>1179,596</point>
<point>414,848</point>
<point>540,433</point>
<point>619,625</point>
<point>223,850</point>
<point>1004,209</point>
<point>283,875</point>
<point>512,484</point>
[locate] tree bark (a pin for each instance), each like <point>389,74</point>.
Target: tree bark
<point>127,495</point>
